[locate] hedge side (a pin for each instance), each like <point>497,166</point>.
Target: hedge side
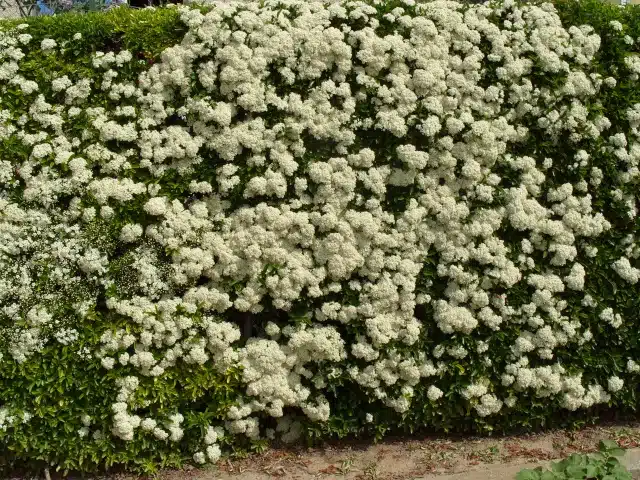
<point>236,223</point>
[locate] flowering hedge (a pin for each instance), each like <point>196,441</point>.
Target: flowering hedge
<point>243,221</point>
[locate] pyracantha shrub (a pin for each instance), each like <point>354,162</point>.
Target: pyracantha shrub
<point>236,222</point>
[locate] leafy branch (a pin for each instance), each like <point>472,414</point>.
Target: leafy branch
<point>603,465</point>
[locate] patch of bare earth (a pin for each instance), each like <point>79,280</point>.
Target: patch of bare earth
<point>409,459</point>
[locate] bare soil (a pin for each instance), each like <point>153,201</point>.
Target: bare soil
<point>408,459</point>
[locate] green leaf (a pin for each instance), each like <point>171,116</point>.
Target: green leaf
<point>607,444</point>
<point>576,471</point>
<point>592,470</point>
<point>616,452</point>
<point>528,475</point>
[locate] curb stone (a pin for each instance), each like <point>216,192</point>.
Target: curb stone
<point>631,460</point>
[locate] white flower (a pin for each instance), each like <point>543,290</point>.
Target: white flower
<point>48,44</point>
<point>61,83</point>
<point>148,425</point>
<point>453,318</point>
<point>489,404</point>
<point>160,434</point>
<point>434,393</point>
<point>199,457</point>
<point>213,453</point>
<point>24,38</point>
<point>614,319</point>
<point>130,232</point>
<point>616,25</point>
<point>156,206</point>
<point>575,279</point>
<point>108,362</point>
<point>624,268</point>
<point>474,390</point>
<point>615,384</point>
<point>211,436</point>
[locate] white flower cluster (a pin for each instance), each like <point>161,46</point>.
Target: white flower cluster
<point>45,264</point>
<point>361,238</point>
<point>624,268</point>
<point>10,417</point>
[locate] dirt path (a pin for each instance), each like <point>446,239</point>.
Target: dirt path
<point>463,458</point>
<point>434,458</point>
